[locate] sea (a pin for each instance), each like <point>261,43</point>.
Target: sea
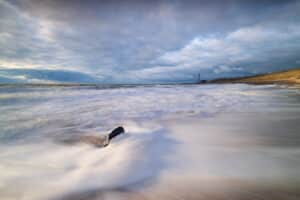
<point>178,139</point>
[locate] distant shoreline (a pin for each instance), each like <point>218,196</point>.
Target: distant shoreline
<point>290,77</point>
<point>283,77</point>
<point>96,85</point>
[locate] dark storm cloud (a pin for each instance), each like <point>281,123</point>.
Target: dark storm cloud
<point>150,41</point>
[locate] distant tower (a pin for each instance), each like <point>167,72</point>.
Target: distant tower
<point>201,81</point>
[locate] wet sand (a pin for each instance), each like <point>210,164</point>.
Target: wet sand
<point>206,190</point>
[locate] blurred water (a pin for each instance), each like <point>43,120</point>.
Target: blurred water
<point>28,112</point>
<point>225,131</point>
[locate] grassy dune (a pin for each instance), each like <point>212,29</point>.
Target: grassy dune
<point>285,77</point>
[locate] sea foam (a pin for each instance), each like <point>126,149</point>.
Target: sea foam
<point>171,132</point>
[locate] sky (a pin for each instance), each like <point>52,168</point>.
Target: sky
<point>159,41</point>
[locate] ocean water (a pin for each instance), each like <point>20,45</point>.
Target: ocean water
<point>173,132</point>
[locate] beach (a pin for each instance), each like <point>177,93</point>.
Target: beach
<point>214,141</point>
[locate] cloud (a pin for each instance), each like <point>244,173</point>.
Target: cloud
<point>149,41</point>
<point>30,43</point>
<point>225,69</point>
<point>246,47</point>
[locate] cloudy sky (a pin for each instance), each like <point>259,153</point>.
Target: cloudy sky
<point>143,41</point>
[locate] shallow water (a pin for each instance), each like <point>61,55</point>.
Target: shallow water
<point>177,138</point>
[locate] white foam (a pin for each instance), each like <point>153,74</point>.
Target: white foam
<point>40,168</point>
<point>48,170</point>
<point>57,111</point>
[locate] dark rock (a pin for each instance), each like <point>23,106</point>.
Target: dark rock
<point>116,132</point>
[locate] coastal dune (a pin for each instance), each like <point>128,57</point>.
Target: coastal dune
<point>285,77</point>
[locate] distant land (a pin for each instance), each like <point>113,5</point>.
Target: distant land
<point>282,77</point>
